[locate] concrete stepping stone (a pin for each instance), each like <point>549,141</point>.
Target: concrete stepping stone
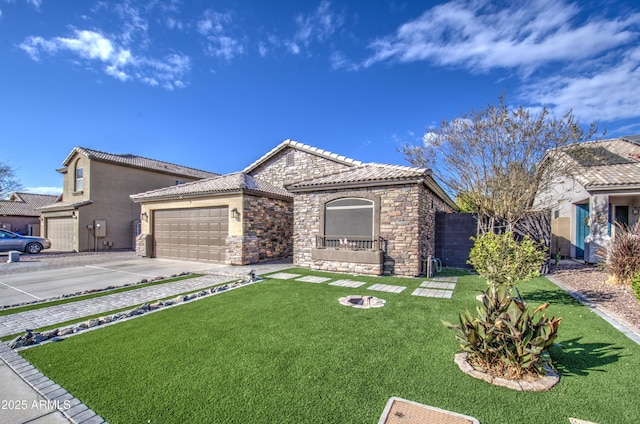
<point>445,279</point>
<point>438,285</point>
<point>283,276</point>
<point>347,283</point>
<point>313,279</point>
<point>387,288</point>
<point>442,294</point>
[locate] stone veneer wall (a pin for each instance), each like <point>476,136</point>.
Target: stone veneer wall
<point>242,250</point>
<point>407,223</point>
<point>271,221</point>
<point>280,170</point>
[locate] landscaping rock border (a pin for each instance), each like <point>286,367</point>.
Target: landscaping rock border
<point>32,338</point>
<point>540,385</point>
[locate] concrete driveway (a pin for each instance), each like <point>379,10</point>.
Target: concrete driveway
<point>44,276</point>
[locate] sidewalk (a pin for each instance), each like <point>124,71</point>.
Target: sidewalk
<point>31,397</point>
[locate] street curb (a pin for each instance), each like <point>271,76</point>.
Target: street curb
<point>76,412</point>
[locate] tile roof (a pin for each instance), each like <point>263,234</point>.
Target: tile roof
<point>375,173</point>
<point>305,148</point>
<point>229,183</point>
<point>139,162</point>
<point>610,164</point>
<point>64,206</point>
<point>25,204</point>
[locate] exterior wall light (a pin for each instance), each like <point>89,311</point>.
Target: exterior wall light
<point>144,216</point>
<point>235,214</point>
<point>635,211</point>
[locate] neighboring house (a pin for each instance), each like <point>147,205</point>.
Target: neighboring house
<point>94,211</point>
<point>18,213</point>
<point>327,211</point>
<point>604,190</point>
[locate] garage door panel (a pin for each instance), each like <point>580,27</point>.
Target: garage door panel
<point>197,234</point>
<point>61,233</point>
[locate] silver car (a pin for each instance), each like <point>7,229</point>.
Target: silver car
<point>12,241</point>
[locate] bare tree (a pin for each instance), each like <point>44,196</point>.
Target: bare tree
<point>8,181</point>
<point>491,160</point>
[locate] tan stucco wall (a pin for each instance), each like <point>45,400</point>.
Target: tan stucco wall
<point>109,186</point>
<point>20,224</point>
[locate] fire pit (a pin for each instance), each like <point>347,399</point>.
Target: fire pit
<point>362,302</point>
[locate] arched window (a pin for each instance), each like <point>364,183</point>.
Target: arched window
<point>79,177</point>
<point>349,217</point>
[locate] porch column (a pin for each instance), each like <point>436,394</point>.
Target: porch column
<point>599,229</point>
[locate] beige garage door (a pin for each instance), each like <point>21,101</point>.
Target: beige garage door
<point>60,231</point>
<point>191,234</point>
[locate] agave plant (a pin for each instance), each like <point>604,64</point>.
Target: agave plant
<point>504,337</point>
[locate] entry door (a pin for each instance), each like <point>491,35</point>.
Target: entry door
<point>622,215</point>
<point>582,230</point>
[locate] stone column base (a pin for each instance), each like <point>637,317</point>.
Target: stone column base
<point>242,250</point>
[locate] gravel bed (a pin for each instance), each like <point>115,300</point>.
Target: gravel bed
<point>591,282</point>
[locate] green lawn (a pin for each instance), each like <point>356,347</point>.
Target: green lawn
<point>286,351</point>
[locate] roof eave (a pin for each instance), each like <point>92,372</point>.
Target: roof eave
<point>217,193</point>
<point>67,206</point>
<point>435,187</point>
<point>303,148</point>
<point>160,198</point>
<point>270,195</point>
<point>354,184</point>
<point>613,188</point>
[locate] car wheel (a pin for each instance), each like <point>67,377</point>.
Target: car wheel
<point>33,248</point>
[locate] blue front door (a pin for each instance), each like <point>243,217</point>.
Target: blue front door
<point>582,230</point>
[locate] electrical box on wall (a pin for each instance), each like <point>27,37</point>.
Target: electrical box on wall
<point>100,227</point>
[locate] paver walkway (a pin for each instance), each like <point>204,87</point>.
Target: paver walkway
<point>37,318</point>
<point>442,294</point>
<point>439,287</point>
<point>347,283</point>
<point>387,288</point>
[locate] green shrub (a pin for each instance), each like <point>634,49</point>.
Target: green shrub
<point>505,340</point>
<point>635,285</point>
<point>504,261</point>
<point>622,260</point>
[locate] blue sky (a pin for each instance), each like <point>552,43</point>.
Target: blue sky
<point>215,85</point>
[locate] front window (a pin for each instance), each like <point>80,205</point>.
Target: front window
<point>79,179</point>
<point>350,217</point>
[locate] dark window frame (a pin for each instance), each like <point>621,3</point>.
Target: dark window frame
<point>78,184</point>
<point>352,195</point>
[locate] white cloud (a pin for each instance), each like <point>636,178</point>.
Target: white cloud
<point>213,22</point>
<point>317,26</point>
<point>262,49</point>
<point>268,45</point>
<point>134,26</point>
<point>88,44</point>
<point>481,36</point>
<point>594,59</point>
<point>172,23</point>
<point>604,93</point>
<point>118,61</point>
<point>216,28</point>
